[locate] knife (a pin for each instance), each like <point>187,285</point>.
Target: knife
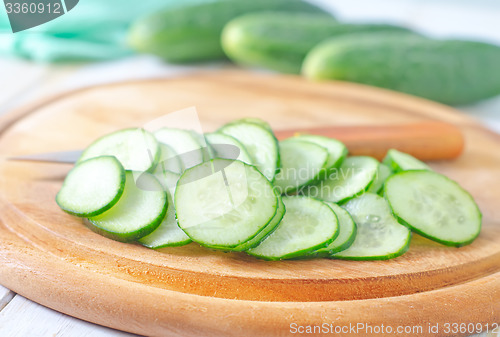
<point>431,140</point>
<point>65,157</point>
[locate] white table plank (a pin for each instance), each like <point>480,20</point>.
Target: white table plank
<point>18,77</point>
<point>487,112</point>
<point>22,81</point>
<point>5,297</point>
<point>22,317</point>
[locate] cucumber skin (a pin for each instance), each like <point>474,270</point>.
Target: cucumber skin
<point>340,159</point>
<point>301,254</point>
<point>264,125</point>
<point>129,237</point>
<point>176,244</point>
<point>398,253</point>
<point>378,258</point>
<point>321,175</point>
<point>132,236</point>
<point>451,72</point>
<point>430,237</point>
<point>433,238</point>
<point>270,40</point>
<point>192,32</point>
<point>357,194</point>
<point>154,162</point>
<point>344,246</point>
<point>380,189</point>
<point>329,254</point>
<point>103,209</point>
<point>225,249</point>
<point>393,164</point>
<point>243,247</point>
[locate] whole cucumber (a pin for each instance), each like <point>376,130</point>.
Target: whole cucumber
<point>448,71</point>
<point>192,32</point>
<point>280,41</point>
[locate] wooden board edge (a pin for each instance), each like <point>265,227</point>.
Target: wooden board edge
<point>402,99</point>
<point>137,308</point>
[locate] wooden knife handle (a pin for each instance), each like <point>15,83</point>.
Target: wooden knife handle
<point>425,140</point>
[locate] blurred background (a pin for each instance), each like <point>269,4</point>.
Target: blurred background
<point>88,45</point>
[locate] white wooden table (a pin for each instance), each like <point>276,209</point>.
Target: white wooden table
<point>21,82</point>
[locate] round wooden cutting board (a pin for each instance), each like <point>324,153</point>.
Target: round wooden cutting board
<point>52,258</point>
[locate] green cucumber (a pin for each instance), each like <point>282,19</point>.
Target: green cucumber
<point>347,233</point>
<point>352,178</point>
<point>254,120</point>
<point>383,172</point>
<point>231,205</point>
<point>379,235</point>
<point>138,212</point>
<point>448,71</point>
<point>168,233</point>
<point>92,187</point>
<point>188,145</point>
<point>280,41</point>
<point>302,163</point>
<point>308,224</point>
<point>337,151</point>
<point>270,227</point>
<point>136,149</point>
<point>169,160</point>
<point>225,146</point>
<point>192,32</point>
<point>275,40</point>
<point>260,142</point>
<point>434,206</point>
<point>224,203</point>
<point>399,161</point>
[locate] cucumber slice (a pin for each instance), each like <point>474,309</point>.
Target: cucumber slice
<point>351,179</point>
<point>379,235</point>
<point>136,149</point>
<point>92,187</point>
<point>168,233</point>
<point>270,227</point>
<point>254,120</point>
<point>308,224</point>
<point>169,160</point>
<point>224,203</point>
<point>206,150</point>
<point>383,172</point>
<point>218,142</point>
<point>337,151</point>
<point>347,233</point>
<point>138,212</point>
<point>168,180</point>
<point>260,143</point>
<point>302,163</point>
<point>434,206</point>
<point>186,143</point>
<point>400,161</point>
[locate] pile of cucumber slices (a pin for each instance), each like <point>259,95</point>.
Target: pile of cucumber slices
<point>239,189</point>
